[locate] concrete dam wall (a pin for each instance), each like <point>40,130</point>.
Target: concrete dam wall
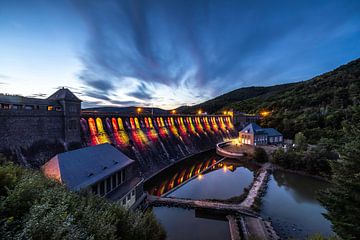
<point>156,141</point>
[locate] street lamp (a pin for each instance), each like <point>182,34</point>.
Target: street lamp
<point>173,111</point>
<point>199,112</point>
<point>138,110</point>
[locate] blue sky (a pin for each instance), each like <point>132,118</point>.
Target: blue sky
<point>168,53</point>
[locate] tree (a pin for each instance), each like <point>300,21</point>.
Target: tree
<point>300,141</point>
<point>343,198</point>
<point>260,155</point>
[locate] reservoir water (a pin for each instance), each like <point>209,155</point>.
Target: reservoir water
<point>183,224</point>
<point>290,200</point>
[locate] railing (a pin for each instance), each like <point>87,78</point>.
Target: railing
<point>222,152</point>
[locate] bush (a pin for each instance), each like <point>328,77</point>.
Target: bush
<point>33,207</point>
<point>260,155</point>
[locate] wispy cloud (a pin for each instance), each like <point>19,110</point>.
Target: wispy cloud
<point>201,48</point>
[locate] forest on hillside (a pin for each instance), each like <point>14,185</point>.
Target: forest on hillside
<point>317,107</point>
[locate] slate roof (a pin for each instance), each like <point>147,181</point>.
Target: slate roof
<point>256,129</point>
<point>83,167</point>
<point>272,132</point>
<point>251,128</point>
<point>64,94</point>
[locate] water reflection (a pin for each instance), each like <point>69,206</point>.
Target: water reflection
<point>291,203</point>
<point>199,179</point>
<point>182,224</point>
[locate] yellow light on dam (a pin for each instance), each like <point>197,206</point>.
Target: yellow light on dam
<point>225,168</point>
<point>200,176</point>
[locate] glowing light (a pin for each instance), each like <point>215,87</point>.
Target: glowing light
<point>139,110</point>
<point>200,176</point>
<point>225,168</point>
<point>265,113</point>
<point>224,112</point>
<point>173,111</point>
<point>199,112</point>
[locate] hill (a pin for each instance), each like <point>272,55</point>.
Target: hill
<point>128,110</point>
<point>221,102</point>
<point>317,107</point>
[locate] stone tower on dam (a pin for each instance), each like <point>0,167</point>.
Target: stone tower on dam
<point>38,128</point>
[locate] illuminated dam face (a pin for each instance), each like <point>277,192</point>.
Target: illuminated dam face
<point>157,140</point>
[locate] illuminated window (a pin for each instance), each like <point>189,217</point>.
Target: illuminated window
<point>50,108</point>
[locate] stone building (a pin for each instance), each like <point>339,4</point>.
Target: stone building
<point>31,123</point>
<point>241,120</point>
<point>102,170</point>
<point>253,134</point>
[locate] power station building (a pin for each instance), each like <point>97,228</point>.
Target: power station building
<point>101,169</point>
<point>253,134</point>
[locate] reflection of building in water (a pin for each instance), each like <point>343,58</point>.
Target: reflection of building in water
<point>186,173</point>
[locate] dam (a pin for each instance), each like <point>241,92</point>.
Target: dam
<point>155,141</point>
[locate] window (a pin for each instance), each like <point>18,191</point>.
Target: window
<point>102,188</point>
<point>128,196</point>
<point>94,189</point>
<point>124,201</point>
<point>133,193</point>
<point>72,109</point>
<point>118,176</point>
<point>123,175</point>
<point>5,106</point>
<point>50,108</point>
<point>72,125</point>
<point>17,106</point>
<point>58,109</point>
<point>108,185</point>
<point>29,107</point>
<point>113,179</point>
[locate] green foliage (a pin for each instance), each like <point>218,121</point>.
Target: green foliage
<point>314,161</point>
<point>33,207</point>
<point>301,141</point>
<point>260,155</point>
<point>317,107</point>
<point>342,200</point>
<point>320,237</point>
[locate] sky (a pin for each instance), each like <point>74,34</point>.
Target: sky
<point>166,53</point>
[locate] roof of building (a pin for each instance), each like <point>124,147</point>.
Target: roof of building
<point>251,128</point>
<point>64,94</point>
<point>256,129</point>
<point>83,167</point>
<point>272,132</point>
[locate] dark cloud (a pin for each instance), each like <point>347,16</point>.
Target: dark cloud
<point>98,95</point>
<point>142,92</point>
<point>39,95</point>
<point>125,103</point>
<point>2,76</point>
<point>205,47</point>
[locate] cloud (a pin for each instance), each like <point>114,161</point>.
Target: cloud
<point>202,48</point>
<point>142,92</point>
